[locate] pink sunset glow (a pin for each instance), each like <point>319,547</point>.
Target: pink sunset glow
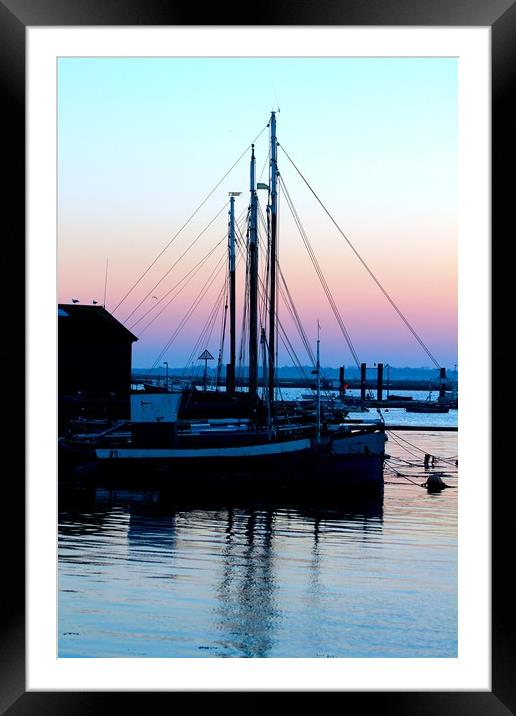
<point>386,172</point>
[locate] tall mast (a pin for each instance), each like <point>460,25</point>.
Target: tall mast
<point>263,341</point>
<point>273,230</point>
<point>318,386</point>
<point>253,283</point>
<point>230,379</point>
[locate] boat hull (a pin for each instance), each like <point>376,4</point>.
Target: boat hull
<point>349,464</point>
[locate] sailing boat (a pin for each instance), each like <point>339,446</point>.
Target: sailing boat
<point>237,439</point>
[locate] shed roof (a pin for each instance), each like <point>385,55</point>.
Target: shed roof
<point>93,318</point>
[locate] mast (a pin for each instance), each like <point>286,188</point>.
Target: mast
<point>253,283</point>
<point>273,231</point>
<point>318,383</point>
<point>263,342</point>
<point>230,379</point>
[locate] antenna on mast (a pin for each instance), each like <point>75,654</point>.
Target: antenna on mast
<point>105,283</point>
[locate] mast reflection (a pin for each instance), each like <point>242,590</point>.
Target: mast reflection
<point>247,612</point>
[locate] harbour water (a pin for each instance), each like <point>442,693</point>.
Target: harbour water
<point>140,576</point>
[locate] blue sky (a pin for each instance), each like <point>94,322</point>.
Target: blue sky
<point>141,142</point>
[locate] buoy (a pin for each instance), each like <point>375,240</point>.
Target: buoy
<point>434,484</point>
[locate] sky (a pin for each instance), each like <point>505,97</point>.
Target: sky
<point>143,141</point>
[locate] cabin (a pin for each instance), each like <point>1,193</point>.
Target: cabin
<point>94,362</point>
<point>154,418</point>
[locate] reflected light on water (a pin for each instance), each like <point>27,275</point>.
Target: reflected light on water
<point>141,576</point>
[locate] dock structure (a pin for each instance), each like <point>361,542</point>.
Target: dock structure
<point>423,428</point>
<point>326,384</point>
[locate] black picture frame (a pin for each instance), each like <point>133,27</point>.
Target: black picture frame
<point>15,17</point>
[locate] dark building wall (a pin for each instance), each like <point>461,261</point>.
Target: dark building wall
<point>94,369</point>
<point>94,357</point>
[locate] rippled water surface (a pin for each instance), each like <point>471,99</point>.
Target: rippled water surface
<point>140,576</point>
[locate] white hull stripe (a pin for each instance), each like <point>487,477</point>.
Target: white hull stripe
<point>246,451</point>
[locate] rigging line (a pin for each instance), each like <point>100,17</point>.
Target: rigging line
<point>406,462</point>
<point>295,360</point>
<point>396,473</point>
<point>240,241</point>
<point>264,277</point>
<point>169,343</point>
<point>265,164</point>
<point>151,290</point>
<point>219,302</point>
<point>276,307</point>
<point>405,477</point>
<point>192,271</point>
<point>400,445</point>
<point>275,372</point>
<point>207,330</point>
<point>263,281</point>
<point>320,275</point>
<point>207,285</point>
<point>369,271</point>
<point>289,308</point>
<point>443,459</point>
<point>419,462</point>
<point>395,435</point>
<point>292,353</point>
<point>188,220</point>
<point>178,330</point>
<point>222,338</point>
<point>264,300</point>
<point>196,271</point>
<point>297,319</point>
<point>243,337</point>
<point>265,240</point>
<point>202,335</point>
<point>276,376</point>
<point>264,297</point>
<point>262,294</point>
<point>242,348</point>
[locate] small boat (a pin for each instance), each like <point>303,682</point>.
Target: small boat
<point>427,406</point>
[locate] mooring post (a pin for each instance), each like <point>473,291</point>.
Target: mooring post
<point>342,386</point>
<point>442,384</point>
<point>363,368</point>
<point>230,378</point>
<point>379,385</point>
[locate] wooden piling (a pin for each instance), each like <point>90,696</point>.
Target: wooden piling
<point>379,385</point>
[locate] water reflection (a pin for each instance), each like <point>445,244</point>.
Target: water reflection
<point>246,608</point>
<point>150,535</point>
<point>237,580</point>
<point>143,574</point>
